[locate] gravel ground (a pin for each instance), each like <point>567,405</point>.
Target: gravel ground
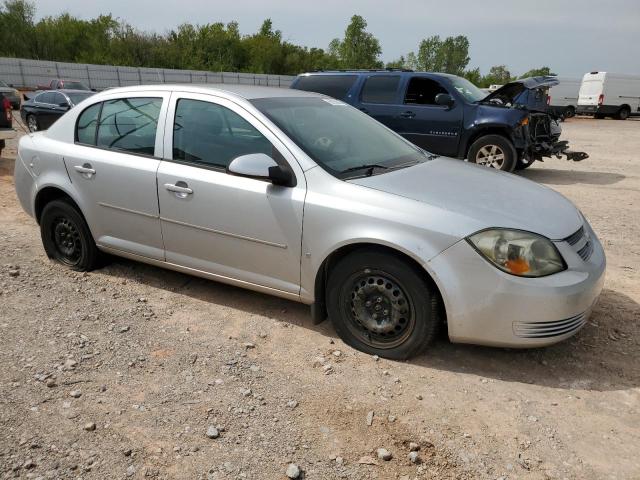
<point>132,371</point>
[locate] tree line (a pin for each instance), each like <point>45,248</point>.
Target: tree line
<point>106,40</point>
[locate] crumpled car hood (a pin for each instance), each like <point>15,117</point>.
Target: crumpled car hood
<point>488,198</point>
<point>509,92</point>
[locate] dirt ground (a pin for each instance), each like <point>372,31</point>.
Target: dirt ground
<point>119,373</point>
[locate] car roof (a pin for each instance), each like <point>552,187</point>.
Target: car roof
<point>248,92</point>
<point>390,71</point>
<point>71,90</point>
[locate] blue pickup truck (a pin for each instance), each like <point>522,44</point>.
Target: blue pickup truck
<point>445,114</point>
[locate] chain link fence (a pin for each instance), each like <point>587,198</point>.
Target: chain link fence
<point>28,74</point>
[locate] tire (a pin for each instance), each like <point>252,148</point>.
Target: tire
<point>570,112</point>
<point>493,151</point>
<point>623,113</point>
<point>66,236</point>
<point>32,123</point>
<point>366,281</point>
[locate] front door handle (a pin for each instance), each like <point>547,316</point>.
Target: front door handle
<point>181,189</point>
<point>408,114</point>
<point>85,170</point>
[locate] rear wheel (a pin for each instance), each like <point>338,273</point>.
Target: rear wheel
<point>66,236</point>
<point>623,113</point>
<point>32,123</point>
<point>493,151</point>
<point>382,305</point>
<point>570,112</point>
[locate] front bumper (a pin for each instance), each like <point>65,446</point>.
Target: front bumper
<point>486,306</point>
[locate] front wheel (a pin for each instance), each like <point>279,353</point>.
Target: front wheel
<point>382,305</point>
<point>493,151</point>
<point>66,236</point>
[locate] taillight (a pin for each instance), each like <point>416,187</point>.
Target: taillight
<point>548,99</point>
<point>6,106</point>
<point>601,99</point>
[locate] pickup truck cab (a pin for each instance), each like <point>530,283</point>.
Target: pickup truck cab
<point>6,122</point>
<point>448,115</point>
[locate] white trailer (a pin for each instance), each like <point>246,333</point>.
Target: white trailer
<point>563,98</point>
<point>605,94</point>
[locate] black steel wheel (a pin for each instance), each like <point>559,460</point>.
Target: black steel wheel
<point>66,236</point>
<point>382,304</point>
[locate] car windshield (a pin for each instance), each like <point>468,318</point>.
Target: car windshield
<point>342,140</point>
<point>75,85</point>
<point>467,89</point>
<point>76,98</point>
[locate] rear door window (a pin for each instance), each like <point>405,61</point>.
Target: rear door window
<point>129,124</point>
<point>423,91</point>
<point>336,86</point>
<point>46,97</point>
<point>380,89</point>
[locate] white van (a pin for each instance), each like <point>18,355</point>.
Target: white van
<point>604,94</point>
<point>563,98</point>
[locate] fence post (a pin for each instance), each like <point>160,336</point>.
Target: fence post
<point>118,74</point>
<point>57,70</point>
<point>139,76</point>
<point>24,83</point>
<point>89,76</point>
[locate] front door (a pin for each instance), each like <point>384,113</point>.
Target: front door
<point>436,128</point>
<point>113,168</point>
<point>238,229</point>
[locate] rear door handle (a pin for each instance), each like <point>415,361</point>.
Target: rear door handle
<point>408,114</point>
<point>181,189</point>
<point>86,170</point>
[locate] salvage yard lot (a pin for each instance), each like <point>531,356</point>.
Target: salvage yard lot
<point>119,373</point>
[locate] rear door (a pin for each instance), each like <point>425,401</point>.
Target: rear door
<point>113,168</point>
<point>590,90</point>
<point>435,128</point>
<point>379,97</point>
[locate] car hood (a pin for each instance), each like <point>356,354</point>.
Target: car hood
<point>510,91</point>
<point>488,198</point>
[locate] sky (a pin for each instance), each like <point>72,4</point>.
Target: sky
<point>570,36</point>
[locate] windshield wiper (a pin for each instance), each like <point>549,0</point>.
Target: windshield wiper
<point>369,167</point>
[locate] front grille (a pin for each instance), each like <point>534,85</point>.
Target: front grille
<point>575,237</point>
<point>581,242</point>
<point>586,251</point>
<point>549,329</point>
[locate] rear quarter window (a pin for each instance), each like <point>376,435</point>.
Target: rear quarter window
<point>336,86</point>
<point>380,89</point>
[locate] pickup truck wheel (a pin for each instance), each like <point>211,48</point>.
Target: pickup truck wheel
<point>67,238</point>
<point>382,305</point>
<point>493,151</point>
<point>623,113</point>
<point>32,123</point>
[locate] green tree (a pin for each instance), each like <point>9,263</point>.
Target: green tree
<point>498,75</point>
<point>359,48</point>
<point>537,72</point>
<point>474,76</point>
<point>16,28</point>
<point>450,55</point>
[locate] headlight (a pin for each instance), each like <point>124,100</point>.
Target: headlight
<point>517,252</point>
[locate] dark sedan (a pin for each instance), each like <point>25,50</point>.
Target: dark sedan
<point>39,112</point>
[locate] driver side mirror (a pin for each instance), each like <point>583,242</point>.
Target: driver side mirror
<point>445,100</point>
<point>261,167</point>
<point>64,104</point>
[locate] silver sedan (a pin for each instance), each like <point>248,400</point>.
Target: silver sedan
<point>302,196</point>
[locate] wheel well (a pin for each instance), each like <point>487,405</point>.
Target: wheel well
<point>486,131</point>
<point>334,257</point>
<point>49,194</point>
<point>625,106</point>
